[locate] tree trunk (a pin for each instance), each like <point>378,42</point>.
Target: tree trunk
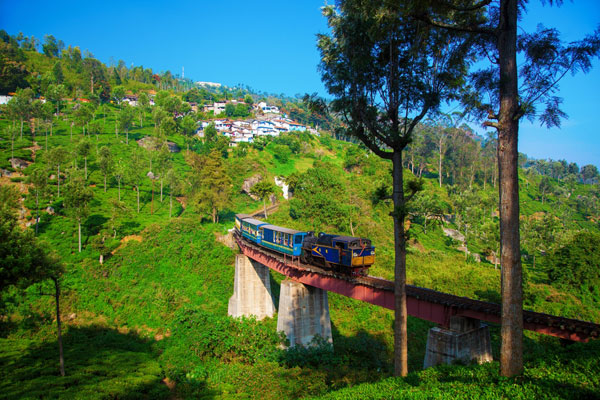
<point>116,129</point>
<point>214,215</point>
<point>85,166</point>
<point>511,349</point>
<point>58,180</point>
<point>21,128</point>
<point>127,136</point>
<point>59,326</point>
<point>37,210</point>
<point>400,311</point>
<point>138,198</point>
<point>104,183</point>
<point>265,206</point>
<point>79,225</point>
<point>119,182</point>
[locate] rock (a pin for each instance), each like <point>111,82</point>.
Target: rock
<point>249,184</point>
<point>52,177</point>
<point>50,210</point>
<point>70,317</point>
<point>173,148</point>
<point>152,143</point>
<point>476,257</point>
<point>19,163</point>
<point>5,172</point>
<point>454,234</point>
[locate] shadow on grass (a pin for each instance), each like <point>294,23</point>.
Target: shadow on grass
<point>99,363</point>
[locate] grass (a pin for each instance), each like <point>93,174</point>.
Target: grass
<point>155,312</point>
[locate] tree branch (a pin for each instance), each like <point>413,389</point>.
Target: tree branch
<point>457,28</point>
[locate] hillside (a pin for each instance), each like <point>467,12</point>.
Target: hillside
<point>150,321</point>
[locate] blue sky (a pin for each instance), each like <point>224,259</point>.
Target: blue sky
<point>271,46</point>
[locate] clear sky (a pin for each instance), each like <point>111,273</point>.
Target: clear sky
<point>271,46</point>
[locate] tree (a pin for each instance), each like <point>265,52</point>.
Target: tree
<point>575,263</point>
<point>20,105</point>
<point>386,73</point>
<point>55,158</point>
<point>120,172</point>
<point>143,104</point>
<point>229,109</point>
<point>13,70</point>
<point>316,194</point>
<point>23,260</point>
<point>84,114</point>
<point>54,94</point>
<point>117,94</point>
<point>498,97</point>
<point>163,164</point>
<point>77,198</point>
<point>211,185</point>
<point>50,46</point>
<point>174,184</point>
<point>126,120</point>
<point>210,133</point>
<point>188,126</point>
<point>84,149</point>
<point>544,187</point>
<point>105,162</point>
<point>159,115</point>
<point>263,190</point>
<point>39,179</point>
<point>57,73</point>
<point>589,173</point>
<point>136,173</point>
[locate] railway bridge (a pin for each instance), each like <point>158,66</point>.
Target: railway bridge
<point>461,331</point>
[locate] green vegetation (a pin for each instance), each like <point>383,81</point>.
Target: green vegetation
<point>147,280</point>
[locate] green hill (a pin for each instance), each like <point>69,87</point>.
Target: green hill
<point>151,321</point>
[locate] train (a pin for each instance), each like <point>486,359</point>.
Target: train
<point>345,254</point>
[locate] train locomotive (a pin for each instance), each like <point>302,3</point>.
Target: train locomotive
<point>345,254</point>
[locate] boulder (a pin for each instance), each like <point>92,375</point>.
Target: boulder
<point>19,163</point>
<point>5,172</point>
<point>152,143</point>
<point>454,234</point>
<point>249,184</point>
<point>50,210</point>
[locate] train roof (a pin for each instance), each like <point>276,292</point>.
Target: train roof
<point>242,216</point>
<point>254,221</point>
<point>281,229</point>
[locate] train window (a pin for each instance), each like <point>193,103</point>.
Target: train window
<point>340,245</point>
<point>298,239</point>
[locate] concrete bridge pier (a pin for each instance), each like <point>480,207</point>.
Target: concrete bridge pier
<point>303,313</point>
<point>251,290</point>
<point>466,340</point>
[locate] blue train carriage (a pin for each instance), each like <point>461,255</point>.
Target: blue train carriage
<point>249,228</point>
<point>238,221</point>
<point>283,240</point>
<point>341,252</point>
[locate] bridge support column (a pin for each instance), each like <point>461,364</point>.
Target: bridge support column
<point>251,290</point>
<point>467,340</point>
<point>303,313</point>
